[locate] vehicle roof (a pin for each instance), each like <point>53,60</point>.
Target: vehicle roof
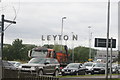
<point>75,63</point>
<point>14,61</point>
<point>43,58</point>
<point>88,62</point>
<point>40,48</point>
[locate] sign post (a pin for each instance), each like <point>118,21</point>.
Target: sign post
<point>2,36</point>
<point>109,43</point>
<point>111,60</point>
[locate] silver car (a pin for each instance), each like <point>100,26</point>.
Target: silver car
<point>41,66</point>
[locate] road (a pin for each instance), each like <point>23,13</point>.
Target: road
<point>0,69</point>
<point>101,77</point>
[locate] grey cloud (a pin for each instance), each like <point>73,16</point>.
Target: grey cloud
<point>43,18</point>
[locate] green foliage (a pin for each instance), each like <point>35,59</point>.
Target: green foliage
<point>81,54</point>
<point>16,51</point>
<point>48,46</point>
<point>119,57</point>
<point>56,47</point>
<point>19,51</point>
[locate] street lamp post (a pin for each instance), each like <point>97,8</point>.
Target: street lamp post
<point>72,50</point>
<point>62,30</point>
<point>90,35</point>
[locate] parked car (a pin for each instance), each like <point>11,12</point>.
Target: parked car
<point>118,69</point>
<point>98,68</point>
<point>114,68</point>
<point>15,63</point>
<point>41,66</point>
<point>73,69</point>
<point>8,65</point>
<point>88,66</point>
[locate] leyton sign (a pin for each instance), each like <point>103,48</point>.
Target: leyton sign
<point>59,37</point>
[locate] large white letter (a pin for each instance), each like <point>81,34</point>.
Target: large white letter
<point>54,36</point>
<point>75,37</point>
<point>66,37</point>
<point>60,37</point>
<point>43,38</point>
<point>48,37</point>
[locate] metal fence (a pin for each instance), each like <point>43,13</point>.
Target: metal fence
<point>17,75</point>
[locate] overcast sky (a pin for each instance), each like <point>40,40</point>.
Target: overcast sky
<point>36,18</point>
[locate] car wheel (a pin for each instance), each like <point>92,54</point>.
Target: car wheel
<point>63,74</point>
<point>84,73</point>
<point>40,72</point>
<point>92,73</point>
<point>77,73</point>
<point>56,73</point>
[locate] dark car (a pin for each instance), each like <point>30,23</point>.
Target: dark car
<point>41,66</point>
<point>8,65</point>
<point>98,68</point>
<point>74,69</point>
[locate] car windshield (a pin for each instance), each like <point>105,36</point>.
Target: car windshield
<point>39,53</point>
<point>37,60</point>
<point>118,67</point>
<point>5,63</point>
<point>99,65</point>
<point>72,65</point>
<point>16,64</point>
<point>88,64</point>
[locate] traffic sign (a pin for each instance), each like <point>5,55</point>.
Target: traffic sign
<point>101,42</point>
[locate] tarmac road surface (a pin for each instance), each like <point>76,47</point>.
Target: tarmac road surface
<point>0,69</point>
<point>90,77</point>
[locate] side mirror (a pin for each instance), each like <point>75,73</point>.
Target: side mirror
<point>93,65</point>
<point>80,66</point>
<point>46,63</point>
<point>29,53</point>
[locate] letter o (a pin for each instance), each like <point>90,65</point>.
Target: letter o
<point>65,37</point>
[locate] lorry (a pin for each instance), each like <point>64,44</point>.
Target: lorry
<point>43,52</point>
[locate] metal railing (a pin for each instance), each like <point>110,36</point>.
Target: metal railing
<point>17,75</point>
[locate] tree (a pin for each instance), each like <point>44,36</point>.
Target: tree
<point>119,57</point>
<point>17,48</point>
<point>56,47</point>
<point>81,54</point>
<point>7,49</point>
<point>17,51</point>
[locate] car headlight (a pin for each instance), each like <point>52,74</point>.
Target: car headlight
<point>73,70</point>
<point>20,66</point>
<point>92,69</point>
<point>102,69</point>
<point>113,69</point>
<point>62,70</point>
<point>33,68</point>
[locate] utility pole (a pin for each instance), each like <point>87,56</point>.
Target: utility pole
<point>2,37</point>
<point>0,53</point>
<point>108,24</point>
